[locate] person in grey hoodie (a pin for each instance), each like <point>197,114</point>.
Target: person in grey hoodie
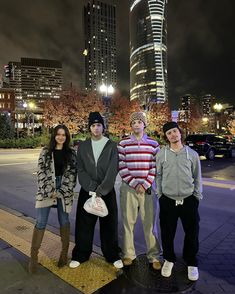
<point>179,188</point>
<point>97,170</point>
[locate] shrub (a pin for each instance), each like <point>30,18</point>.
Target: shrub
<point>21,143</point>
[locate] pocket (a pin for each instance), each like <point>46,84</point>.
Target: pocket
<point>192,201</point>
<point>162,198</point>
<point>196,200</point>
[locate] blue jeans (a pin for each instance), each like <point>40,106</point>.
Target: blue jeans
<point>43,213</point>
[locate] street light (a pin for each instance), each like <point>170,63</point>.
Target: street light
<point>218,107</point>
<point>31,106</point>
<point>205,120</point>
<point>107,91</point>
<point>205,123</point>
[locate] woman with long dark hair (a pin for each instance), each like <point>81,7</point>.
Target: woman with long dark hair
<point>57,170</point>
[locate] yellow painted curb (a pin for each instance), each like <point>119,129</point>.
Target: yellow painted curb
<point>87,278</point>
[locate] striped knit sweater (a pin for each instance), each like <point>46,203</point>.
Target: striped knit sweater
<point>137,161</point>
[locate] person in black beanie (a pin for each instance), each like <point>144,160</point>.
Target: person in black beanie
<point>179,188</point>
<point>97,170</point>
<point>95,117</point>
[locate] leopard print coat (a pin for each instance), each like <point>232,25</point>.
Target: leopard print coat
<point>46,182</point>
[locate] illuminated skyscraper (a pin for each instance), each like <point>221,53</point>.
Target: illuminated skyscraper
<point>100,45</point>
<point>148,49</point>
<point>36,79</point>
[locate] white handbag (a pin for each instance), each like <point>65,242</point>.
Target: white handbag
<point>95,205</point>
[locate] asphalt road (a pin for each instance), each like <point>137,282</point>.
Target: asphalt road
<point>220,169</point>
<point>18,188</point>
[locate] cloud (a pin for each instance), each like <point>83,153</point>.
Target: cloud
<point>200,41</point>
<point>54,30</point>
<point>200,48</point>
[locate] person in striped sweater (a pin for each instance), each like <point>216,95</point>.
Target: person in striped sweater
<point>137,169</point>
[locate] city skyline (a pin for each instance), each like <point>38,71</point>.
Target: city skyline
<point>200,42</point>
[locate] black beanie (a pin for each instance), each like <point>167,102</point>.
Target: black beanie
<point>95,117</point>
<point>170,125</point>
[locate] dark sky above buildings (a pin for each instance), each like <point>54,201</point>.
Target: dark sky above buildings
<point>201,43</point>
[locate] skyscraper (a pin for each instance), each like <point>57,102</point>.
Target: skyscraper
<point>36,79</point>
<point>100,45</point>
<point>148,49</point>
<point>208,102</point>
<point>187,106</point>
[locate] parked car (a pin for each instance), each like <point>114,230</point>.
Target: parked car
<point>210,145</point>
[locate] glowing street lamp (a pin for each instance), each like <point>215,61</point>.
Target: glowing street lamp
<point>218,107</point>
<point>205,120</point>
<point>110,90</point>
<point>31,106</point>
<point>106,91</point>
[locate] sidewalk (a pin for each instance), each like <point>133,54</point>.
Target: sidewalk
<point>15,278</point>
<point>217,271</point>
<point>16,230</point>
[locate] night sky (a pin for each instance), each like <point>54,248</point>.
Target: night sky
<point>201,42</point>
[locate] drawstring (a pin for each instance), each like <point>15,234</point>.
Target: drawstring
<point>187,151</point>
<point>179,202</point>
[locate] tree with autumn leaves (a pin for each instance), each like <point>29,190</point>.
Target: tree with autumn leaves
<point>120,112</point>
<point>231,126</point>
<point>122,108</point>
<point>157,116</point>
<point>72,109</point>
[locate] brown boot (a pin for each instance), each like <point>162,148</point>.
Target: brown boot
<point>64,234</point>
<point>36,244</point>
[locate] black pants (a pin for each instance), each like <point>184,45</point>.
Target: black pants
<point>85,225</point>
<point>188,213</point>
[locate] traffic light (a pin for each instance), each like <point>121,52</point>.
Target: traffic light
<point>8,70</point>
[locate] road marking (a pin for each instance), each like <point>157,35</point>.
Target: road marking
<point>219,185</point>
<point>15,163</point>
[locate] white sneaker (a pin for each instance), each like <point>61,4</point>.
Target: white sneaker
<point>193,274</point>
<point>167,269</point>
<point>118,263</point>
<point>74,264</point>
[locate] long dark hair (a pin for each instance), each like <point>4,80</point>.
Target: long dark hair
<point>67,151</point>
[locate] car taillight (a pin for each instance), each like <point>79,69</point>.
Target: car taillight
<point>200,143</point>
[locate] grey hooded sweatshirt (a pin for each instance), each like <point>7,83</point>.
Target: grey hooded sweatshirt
<point>178,174</point>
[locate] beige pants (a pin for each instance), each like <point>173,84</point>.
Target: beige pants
<point>132,204</point>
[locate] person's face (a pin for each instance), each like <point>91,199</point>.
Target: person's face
<point>137,126</point>
<point>60,137</point>
<point>173,135</point>
<point>96,129</point>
